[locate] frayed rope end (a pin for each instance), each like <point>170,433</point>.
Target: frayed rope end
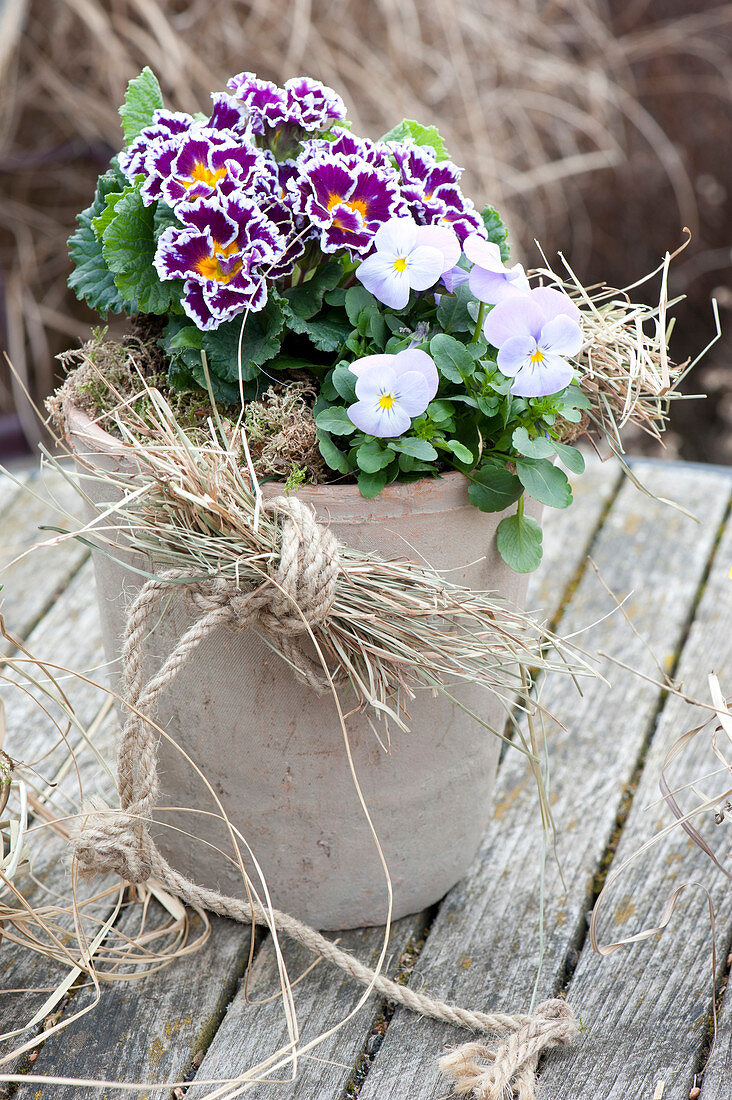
<point>107,840</point>
<point>509,1069</point>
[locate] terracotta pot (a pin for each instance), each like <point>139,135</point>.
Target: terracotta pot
<point>273,749</point>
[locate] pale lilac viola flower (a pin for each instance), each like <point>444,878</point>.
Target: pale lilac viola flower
<point>407,257</point>
<point>490,280</point>
<point>391,389</point>
<point>534,334</point>
<point>454,278</point>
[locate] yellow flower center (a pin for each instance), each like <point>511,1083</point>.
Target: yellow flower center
<point>210,267</point>
<point>386,400</point>
<point>400,264</point>
<point>537,356</point>
<point>200,173</point>
<point>357,204</point>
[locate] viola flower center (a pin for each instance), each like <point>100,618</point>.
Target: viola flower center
<point>400,264</point>
<point>536,356</point>
<point>386,400</point>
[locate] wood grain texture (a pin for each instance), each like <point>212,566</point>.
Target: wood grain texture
<point>31,584</point>
<point>652,1026</point>
<point>253,1032</point>
<point>8,488</point>
<point>484,949</point>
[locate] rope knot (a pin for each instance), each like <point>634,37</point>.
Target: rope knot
<point>112,840</point>
<point>509,1069</point>
<point>306,574</point>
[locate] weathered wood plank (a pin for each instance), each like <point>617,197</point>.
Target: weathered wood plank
<point>653,1027</point>
<point>325,999</point>
<point>9,489</point>
<point>32,584</point>
<point>716,1083</point>
<point>568,534</point>
<point>253,1032</point>
<point>484,949</point>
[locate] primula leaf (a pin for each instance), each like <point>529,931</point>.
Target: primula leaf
<point>570,457</point>
<point>452,311</point>
<point>332,455</point>
<point>305,299</point>
<point>416,448</point>
<point>420,135</point>
<point>128,247</point>
<point>452,359</point>
<point>519,543</point>
<point>541,447</point>
<point>335,420</point>
<point>143,97</point>
<point>91,280</point>
<point>496,230</point>
<point>328,332</point>
<point>544,482</point>
<point>371,456</point>
<point>494,488</point>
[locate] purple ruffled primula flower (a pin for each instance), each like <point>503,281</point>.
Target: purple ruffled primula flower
<point>348,145</point>
<point>431,189</point>
<point>407,257</point>
<point>302,103</point>
<point>490,281</point>
<point>206,161</point>
<point>165,125</point>
<point>316,105</point>
<point>391,389</point>
<point>534,333</point>
<point>227,114</point>
<point>225,252</point>
<point>346,199</point>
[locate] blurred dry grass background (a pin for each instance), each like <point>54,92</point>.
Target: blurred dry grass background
<point>600,127</point>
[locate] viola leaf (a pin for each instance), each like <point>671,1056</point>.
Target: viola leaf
<point>544,482</point>
<point>519,541</point>
<point>493,488</point>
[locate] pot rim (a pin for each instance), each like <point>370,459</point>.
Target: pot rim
<point>439,493</point>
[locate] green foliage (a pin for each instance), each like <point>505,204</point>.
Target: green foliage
<point>143,97</point>
<point>452,358</point>
<point>91,280</point>
<point>496,230</point>
<point>420,135</point>
<point>128,248</point>
<point>494,488</point>
<point>544,482</point>
<point>519,541</point>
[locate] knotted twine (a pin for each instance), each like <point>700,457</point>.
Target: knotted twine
<point>296,597</point>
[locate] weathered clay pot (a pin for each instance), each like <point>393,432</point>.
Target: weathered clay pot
<point>274,751</point>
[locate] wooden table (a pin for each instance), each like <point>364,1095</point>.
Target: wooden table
<point>645,1010</point>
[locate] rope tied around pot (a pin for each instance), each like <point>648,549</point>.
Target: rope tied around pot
<point>298,596</point>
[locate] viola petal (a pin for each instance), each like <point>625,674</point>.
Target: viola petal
<point>561,336</point>
<point>515,316</point>
<point>514,354</point>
